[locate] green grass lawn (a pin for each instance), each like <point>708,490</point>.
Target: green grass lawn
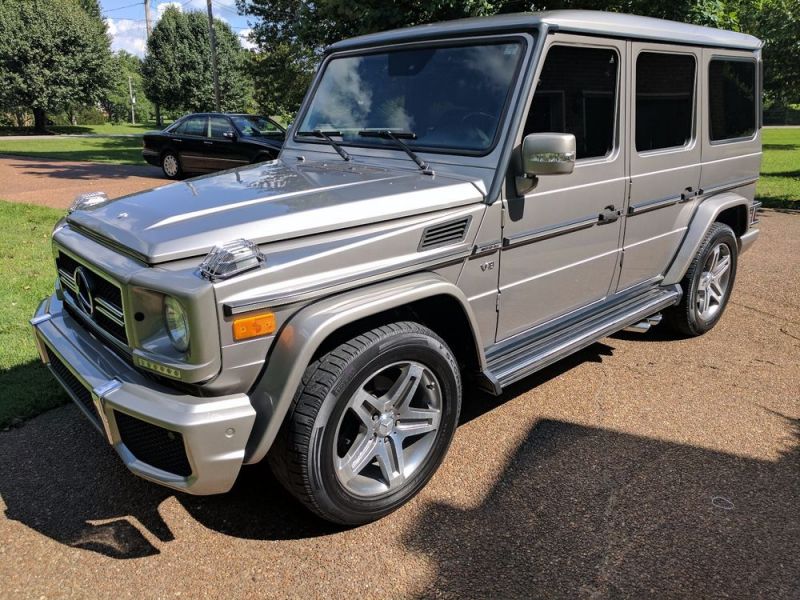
<point>28,275</point>
<point>779,186</point>
<point>114,150</point>
<point>103,129</point>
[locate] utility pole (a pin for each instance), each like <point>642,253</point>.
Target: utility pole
<point>213,54</point>
<point>149,26</point>
<point>133,101</point>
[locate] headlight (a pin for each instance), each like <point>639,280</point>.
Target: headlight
<point>177,324</point>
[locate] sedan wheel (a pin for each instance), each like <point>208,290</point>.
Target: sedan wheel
<point>171,165</point>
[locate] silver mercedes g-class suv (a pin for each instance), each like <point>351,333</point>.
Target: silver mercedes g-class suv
<point>462,202</point>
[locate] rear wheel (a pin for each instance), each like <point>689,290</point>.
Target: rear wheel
<point>708,283</point>
<point>371,423</point>
<point>171,165</point>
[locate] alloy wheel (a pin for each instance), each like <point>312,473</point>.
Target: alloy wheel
<point>387,429</point>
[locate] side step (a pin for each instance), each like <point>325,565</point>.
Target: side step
<point>516,360</point>
<point>644,326</point>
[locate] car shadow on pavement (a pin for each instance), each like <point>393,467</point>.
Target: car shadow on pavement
<point>86,171</point>
<point>60,478</point>
<point>578,511</point>
<point>588,512</point>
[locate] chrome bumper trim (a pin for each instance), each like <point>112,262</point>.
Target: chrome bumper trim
<point>215,430</point>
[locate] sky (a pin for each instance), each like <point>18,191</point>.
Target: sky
<point>126,23</point>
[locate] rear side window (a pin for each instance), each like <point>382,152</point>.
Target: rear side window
<point>731,99</point>
<point>577,94</point>
<point>664,100</point>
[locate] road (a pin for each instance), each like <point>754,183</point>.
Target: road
<point>642,467</point>
<point>57,182</point>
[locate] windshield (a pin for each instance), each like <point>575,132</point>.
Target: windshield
<point>446,98</point>
<point>253,125</point>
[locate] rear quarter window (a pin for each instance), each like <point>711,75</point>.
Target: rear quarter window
<point>732,99</point>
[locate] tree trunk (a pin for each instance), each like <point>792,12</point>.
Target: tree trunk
<point>39,120</point>
<point>158,116</point>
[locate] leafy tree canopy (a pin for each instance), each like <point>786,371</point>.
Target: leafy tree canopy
<point>127,75</point>
<point>177,67</point>
<point>291,33</point>
<point>53,54</point>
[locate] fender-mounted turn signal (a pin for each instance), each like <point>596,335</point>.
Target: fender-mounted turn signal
<point>250,327</point>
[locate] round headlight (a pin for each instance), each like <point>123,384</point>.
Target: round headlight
<point>177,324</point>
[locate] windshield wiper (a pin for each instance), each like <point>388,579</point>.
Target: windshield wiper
<point>326,135</point>
<point>397,137</point>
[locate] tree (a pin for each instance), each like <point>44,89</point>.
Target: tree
<point>117,103</point>
<point>177,67</point>
<point>290,35</point>
<point>53,55</point>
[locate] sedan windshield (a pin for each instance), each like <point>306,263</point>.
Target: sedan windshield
<point>449,98</point>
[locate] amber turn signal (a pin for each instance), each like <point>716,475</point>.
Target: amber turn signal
<point>250,327</point>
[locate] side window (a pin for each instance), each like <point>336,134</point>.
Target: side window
<point>664,100</point>
<point>731,99</point>
<point>219,126</point>
<point>577,94</point>
<point>194,126</point>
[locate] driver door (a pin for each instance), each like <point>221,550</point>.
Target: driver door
<point>559,254</point>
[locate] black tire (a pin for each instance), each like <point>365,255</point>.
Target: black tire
<point>304,453</point>
<point>686,318</point>
<point>171,170</point>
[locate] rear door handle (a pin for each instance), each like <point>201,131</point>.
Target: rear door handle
<point>176,139</point>
<point>609,215</point>
<point>207,143</point>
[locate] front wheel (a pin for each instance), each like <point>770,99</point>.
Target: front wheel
<point>371,423</point>
<point>708,283</point>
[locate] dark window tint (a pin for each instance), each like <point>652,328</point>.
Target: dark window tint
<point>219,127</point>
<point>193,126</point>
<point>732,98</point>
<point>577,94</point>
<point>664,100</point>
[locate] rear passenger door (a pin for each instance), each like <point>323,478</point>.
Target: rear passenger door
<point>190,146</point>
<point>664,157</point>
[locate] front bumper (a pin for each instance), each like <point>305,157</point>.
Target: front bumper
<point>184,442</point>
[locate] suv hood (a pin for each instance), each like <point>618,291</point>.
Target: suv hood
<point>267,202</point>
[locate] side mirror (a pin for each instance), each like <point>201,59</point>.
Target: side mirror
<point>231,135</point>
<point>548,154</point>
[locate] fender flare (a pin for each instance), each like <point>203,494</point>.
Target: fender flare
<point>705,215</point>
<point>303,334</point>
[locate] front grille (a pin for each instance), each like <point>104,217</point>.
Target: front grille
<point>77,390</point>
<point>154,445</point>
<point>106,297</point>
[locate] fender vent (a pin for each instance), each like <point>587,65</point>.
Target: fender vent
<point>444,233</point>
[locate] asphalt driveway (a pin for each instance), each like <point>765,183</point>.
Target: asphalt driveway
<point>56,182</point>
<point>642,467</point>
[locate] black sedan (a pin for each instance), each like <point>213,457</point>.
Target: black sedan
<point>205,142</point>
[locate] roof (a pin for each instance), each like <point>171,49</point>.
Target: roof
<point>577,21</point>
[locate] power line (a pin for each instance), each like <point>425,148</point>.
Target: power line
<point>122,7</point>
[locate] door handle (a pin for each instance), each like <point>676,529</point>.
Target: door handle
<point>689,193</point>
<point>207,143</point>
<point>176,139</point>
<point>609,215</point>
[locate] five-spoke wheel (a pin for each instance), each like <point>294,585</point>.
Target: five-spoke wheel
<point>388,428</point>
<point>370,424</point>
<point>707,284</point>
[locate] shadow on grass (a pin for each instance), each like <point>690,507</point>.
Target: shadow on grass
<point>27,390</point>
<point>786,147</point>
<point>577,511</point>
<point>779,203</point>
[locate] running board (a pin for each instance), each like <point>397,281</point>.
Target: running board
<point>513,362</point>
